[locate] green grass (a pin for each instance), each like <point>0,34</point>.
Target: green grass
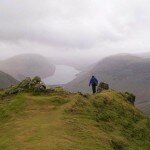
<point>10,107</point>
<point>61,121</point>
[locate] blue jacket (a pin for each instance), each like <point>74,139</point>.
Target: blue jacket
<point>93,81</point>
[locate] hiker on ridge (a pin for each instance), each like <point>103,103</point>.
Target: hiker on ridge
<point>94,83</point>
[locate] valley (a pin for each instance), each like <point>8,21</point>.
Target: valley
<point>63,74</point>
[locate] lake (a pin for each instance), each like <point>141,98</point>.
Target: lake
<point>63,74</point>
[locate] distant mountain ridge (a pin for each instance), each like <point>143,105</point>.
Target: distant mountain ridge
<point>6,80</point>
<point>24,65</point>
<point>122,72</point>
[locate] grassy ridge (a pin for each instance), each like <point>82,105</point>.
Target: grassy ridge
<point>122,72</point>
<point>62,120</point>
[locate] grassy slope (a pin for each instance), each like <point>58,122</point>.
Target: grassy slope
<point>62,120</point>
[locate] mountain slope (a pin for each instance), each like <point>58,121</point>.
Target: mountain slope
<point>122,72</point>
<point>61,120</point>
<point>6,80</point>
<point>25,65</point>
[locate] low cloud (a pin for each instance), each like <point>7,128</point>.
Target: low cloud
<point>89,28</point>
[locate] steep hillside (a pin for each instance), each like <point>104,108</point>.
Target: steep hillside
<point>6,80</point>
<point>25,65</point>
<point>122,72</point>
<point>62,120</point>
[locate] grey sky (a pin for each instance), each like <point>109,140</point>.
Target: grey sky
<point>74,28</point>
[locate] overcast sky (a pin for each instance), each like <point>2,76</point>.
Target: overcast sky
<point>74,28</point>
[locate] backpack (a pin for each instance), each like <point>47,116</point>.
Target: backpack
<point>95,83</point>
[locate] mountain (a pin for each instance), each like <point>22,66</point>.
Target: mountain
<point>6,80</point>
<point>62,120</point>
<point>24,65</point>
<point>144,55</point>
<point>122,72</point>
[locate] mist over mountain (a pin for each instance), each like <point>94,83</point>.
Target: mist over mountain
<point>25,65</point>
<point>144,55</point>
<point>122,72</point>
<point>6,80</point>
<point>79,64</point>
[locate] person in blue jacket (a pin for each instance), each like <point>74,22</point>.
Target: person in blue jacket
<point>94,83</point>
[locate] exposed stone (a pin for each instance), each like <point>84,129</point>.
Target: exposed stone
<point>36,80</point>
<point>102,86</point>
<point>130,97</point>
<point>28,84</point>
<point>13,90</point>
<point>40,87</point>
<point>25,83</point>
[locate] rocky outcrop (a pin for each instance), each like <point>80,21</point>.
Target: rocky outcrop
<point>130,97</point>
<point>40,87</point>
<point>28,84</point>
<point>102,86</point>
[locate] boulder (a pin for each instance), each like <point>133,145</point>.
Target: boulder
<point>40,87</point>
<point>25,84</point>
<point>130,97</point>
<point>36,80</point>
<point>102,86</point>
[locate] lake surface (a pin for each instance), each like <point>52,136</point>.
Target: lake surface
<point>63,74</point>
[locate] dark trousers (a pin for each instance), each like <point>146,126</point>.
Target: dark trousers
<point>94,88</point>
